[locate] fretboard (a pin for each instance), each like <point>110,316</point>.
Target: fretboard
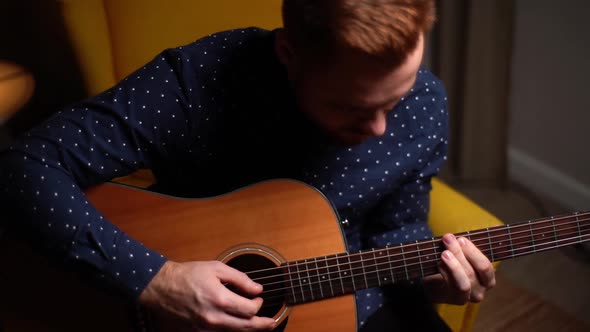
<point>323,277</point>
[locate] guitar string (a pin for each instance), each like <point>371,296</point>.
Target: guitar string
<point>349,284</point>
<point>427,259</point>
<point>344,285</point>
<point>428,245</point>
<point>487,251</point>
<point>419,258</point>
<point>437,240</point>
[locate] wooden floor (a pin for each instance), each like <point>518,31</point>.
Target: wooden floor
<point>548,291</point>
<point>510,307</point>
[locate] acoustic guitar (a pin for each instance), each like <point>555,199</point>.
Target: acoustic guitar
<point>284,234</point>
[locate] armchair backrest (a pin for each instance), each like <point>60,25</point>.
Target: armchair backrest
<point>112,38</point>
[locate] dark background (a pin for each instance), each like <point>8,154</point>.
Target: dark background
<point>32,35</point>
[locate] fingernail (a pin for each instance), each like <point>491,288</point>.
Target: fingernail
<point>448,239</point>
<point>462,241</point>
<point>448,254</point>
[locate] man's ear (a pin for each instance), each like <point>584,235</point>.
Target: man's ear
<point>285,52</point>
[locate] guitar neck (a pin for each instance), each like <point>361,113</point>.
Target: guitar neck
<point>323,277</point>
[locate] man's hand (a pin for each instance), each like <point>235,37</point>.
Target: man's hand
<point>195,293</point>
<point>466,273</point>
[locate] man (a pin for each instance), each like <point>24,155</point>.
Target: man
<point>337,99</point>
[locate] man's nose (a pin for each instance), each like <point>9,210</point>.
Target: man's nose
<point>377,124</point>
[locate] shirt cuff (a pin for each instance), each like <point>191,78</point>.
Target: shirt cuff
<point>116,259</point>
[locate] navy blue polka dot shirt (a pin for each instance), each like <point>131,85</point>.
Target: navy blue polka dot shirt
<point>210,117</point>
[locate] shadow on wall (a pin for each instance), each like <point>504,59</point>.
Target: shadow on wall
<point>32,35</point>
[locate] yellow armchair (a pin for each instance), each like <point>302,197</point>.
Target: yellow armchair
<point>112,38</point>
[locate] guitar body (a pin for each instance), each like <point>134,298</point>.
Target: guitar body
<point>285,219</point>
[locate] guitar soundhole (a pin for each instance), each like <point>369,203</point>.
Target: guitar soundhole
<point>265,272</point>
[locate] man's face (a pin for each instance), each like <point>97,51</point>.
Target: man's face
<point>349,98</point>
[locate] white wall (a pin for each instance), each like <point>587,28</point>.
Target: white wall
<point>549,144</point>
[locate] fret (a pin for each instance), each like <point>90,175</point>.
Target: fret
<point>293,283</point>
<point>554,229</point>
<point>566,230</point>
<point>310,269</point>
<point>420,259</point>
<point>340,275</point>
<point>481,240</point>
<point>578,224</point>
<point>301,280</point>
<point>585,225</point>
<point>294,298</point>
<point>364,271</point>
<point>317,278</point>
<point>372,269</point>
<point>429,259</point>
<point>309,266</point>
<point>532,237</point>
<point>501,239</point>
<point>335,275</point>
<point>490,245</point>
<point>435,248</point>
<point>398,263</point>
<point>345,273</point>
<point>350,272</point>
<point>413,260</point>
<point>520,238</point>
<point>381,266</point>
<point>389,256</point>
<point>510,239</point>
<point>360,274</point>
<point>542,239</point>
<point>405,264</point>
<point>324,276</point>
<point>357,270</point>
<point>363,268</point>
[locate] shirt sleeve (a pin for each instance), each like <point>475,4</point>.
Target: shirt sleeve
<point>404,213</point>
<point>145,118</point>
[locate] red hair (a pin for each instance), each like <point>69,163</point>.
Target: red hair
<point>387,29</point>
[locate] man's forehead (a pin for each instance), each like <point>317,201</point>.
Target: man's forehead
<point>361,74</point>
<point>380,96</point>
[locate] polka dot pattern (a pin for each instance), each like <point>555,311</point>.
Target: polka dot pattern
<point>209,117</point>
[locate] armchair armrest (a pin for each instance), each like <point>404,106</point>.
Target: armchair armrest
<point>451,211</point>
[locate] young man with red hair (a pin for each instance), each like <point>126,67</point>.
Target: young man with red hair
<point>337,98</point>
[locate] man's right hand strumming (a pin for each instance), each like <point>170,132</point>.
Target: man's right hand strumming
<point>196,292</point>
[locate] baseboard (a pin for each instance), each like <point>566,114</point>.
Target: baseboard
<point>548,181</point>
